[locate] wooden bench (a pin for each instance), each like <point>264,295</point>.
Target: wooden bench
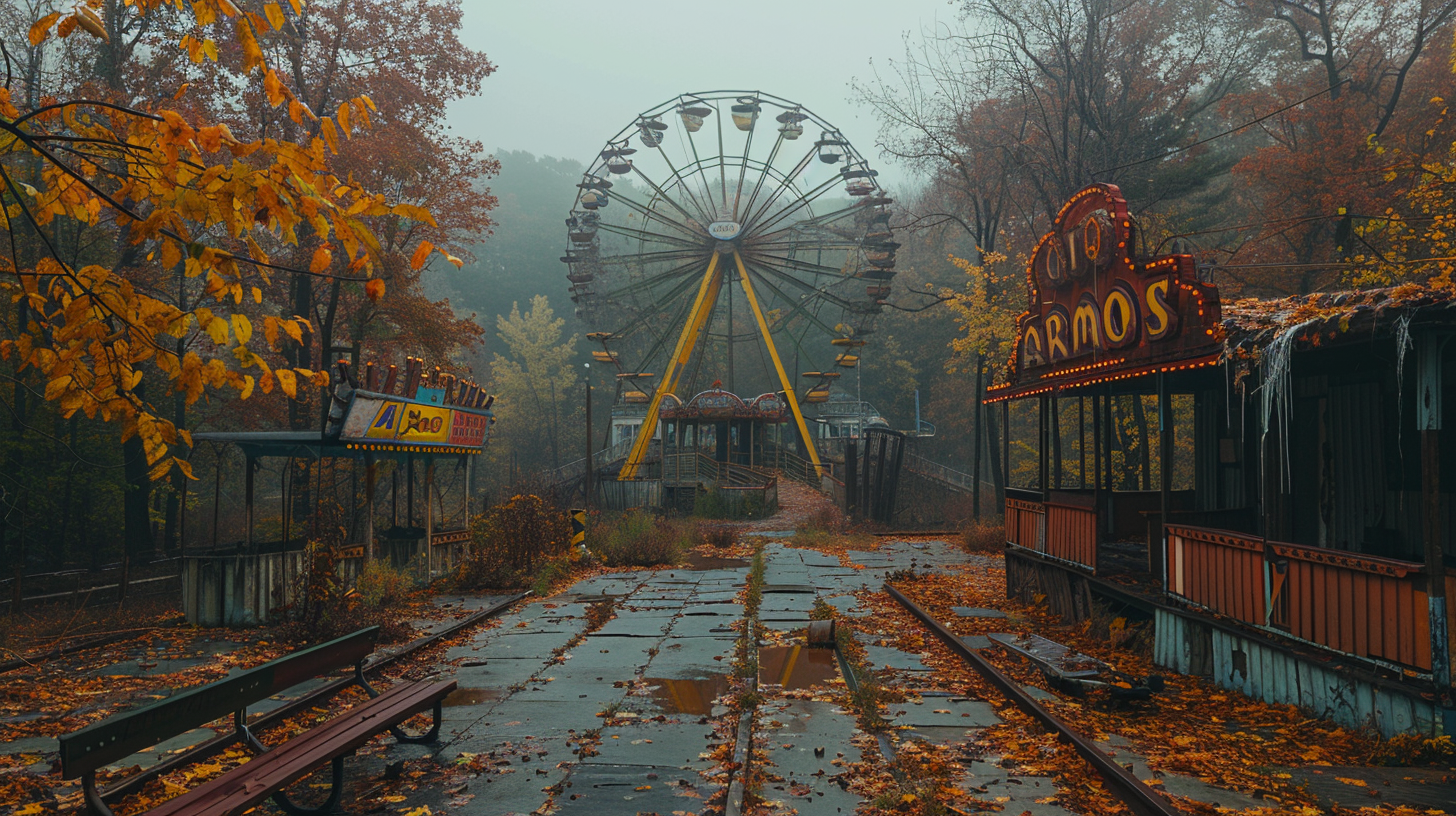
<point>121,735</point>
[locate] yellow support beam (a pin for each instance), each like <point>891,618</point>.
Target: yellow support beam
<point>778,366</point>
<point>697,319</point>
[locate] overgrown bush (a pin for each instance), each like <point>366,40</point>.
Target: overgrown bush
<point>709,504</point>
<point>324,609</point>
<point>983,536</point>
<point>721,536</point>
<point>636,539</point>
<point>510,542</point>
<point>380,584</point>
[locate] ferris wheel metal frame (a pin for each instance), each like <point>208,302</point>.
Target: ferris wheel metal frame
<point>700,230</point>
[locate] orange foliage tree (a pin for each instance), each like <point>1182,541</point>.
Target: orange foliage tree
<point>148,235</point>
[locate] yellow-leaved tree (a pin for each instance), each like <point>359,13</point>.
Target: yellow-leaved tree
<point>176,194</point>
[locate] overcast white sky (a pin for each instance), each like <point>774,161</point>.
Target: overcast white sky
<point>570,74</point>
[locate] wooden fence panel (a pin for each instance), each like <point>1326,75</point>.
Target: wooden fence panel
<point>1219,570</point>
<point>1071,534</point>
<point>1025,524</point>
<point>1358,604</point>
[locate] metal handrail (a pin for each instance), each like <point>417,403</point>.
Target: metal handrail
<point>935,470</point>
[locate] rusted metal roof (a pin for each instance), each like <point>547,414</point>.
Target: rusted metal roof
<point>1324,318</point>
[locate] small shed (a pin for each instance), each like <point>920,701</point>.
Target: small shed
<point>412,418</point>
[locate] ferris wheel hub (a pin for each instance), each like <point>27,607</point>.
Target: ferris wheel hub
<point>725,230</point>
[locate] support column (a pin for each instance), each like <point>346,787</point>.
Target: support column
<point>369,477</point>
<point>1041,445</point>
<point>696,324</point>
<point>429,519</point>
<point>1158,546</point>
<point>789,396</point>
<point>1428,419</point>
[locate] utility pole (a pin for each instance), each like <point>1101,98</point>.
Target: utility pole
<point>589,464</point>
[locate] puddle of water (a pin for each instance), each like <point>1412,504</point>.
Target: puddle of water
<point>472,696</point>
<point>687,696</point>
<point>796,667</point>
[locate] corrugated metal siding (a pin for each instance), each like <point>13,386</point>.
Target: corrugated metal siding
<point>1026,524</point>
<point>1219,570</point>
<point>1356,498</point>
<point>1071,534</point>
<point>1361,605</point>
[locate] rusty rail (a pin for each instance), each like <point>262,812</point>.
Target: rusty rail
<point>208,748</point>
<point>1139,797</point>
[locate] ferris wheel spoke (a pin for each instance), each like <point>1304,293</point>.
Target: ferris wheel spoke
<point>790,245</point>
<point>801,308</point>
<point>804,200</point>
<point>699,171</point>
<point>649,257</point>
<point>809,289</point>
<point>647,235</point>
<point>805,266</point>
<point>743,170</point>
<point>652,280</point>
<point>687,188</point>
<point>722,159</point>
<point>649,215</point>
<point>767,172</point>
<point>786,183</point>
<point>665,197</point>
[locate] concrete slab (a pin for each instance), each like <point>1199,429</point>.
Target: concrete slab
<point>517,792</point>
<point>497,672</point>
<point>702,626</point>
<point>660,744</point>
<point>977,612</point>
<point>613,790</point>
<point>987,780</point>
<point>950,712</point>
<point>692,657</point>
<point>637,624</point>
<point>730,610</point>
<point>527,645</point>
<point>884,657</point>
<point>795,735</point>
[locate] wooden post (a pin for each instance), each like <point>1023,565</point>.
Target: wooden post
<point>1156,561</point>
<point>1097,454</point>
<point>587,485</point>
<point>980,431</point>
<point>369,477</point>
<point>1054,438</point>
<point>1041,445</point>
<point>429,519</point>
<point>1005,450</point>
<point>1428,420</point>
<point>1107,458</point>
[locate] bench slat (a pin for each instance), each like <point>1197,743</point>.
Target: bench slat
<point>123,734</point>
<point>251,783</point>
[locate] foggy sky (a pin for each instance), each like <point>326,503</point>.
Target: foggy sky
<point>571,74</point>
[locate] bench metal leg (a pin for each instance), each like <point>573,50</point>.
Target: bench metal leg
<point>335,789</point>
<point>399,734</point>
<point>93,796</point>
<point>429,736</point>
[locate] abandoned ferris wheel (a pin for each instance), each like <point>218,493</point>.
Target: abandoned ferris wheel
<point>711,193</point>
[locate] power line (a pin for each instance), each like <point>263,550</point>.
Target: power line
<point>1230,131</point>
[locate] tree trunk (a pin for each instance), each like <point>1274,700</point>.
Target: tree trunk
<point>1140,418</point>
<point>136,524</point>
<point>980,433</point>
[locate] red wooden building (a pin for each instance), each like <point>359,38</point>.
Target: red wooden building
<point>1296,543</point>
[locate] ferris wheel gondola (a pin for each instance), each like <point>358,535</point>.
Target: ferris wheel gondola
<point>726,244</point>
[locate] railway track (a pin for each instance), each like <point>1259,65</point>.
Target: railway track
<point>277,716</point>
<point>1140,798</point>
